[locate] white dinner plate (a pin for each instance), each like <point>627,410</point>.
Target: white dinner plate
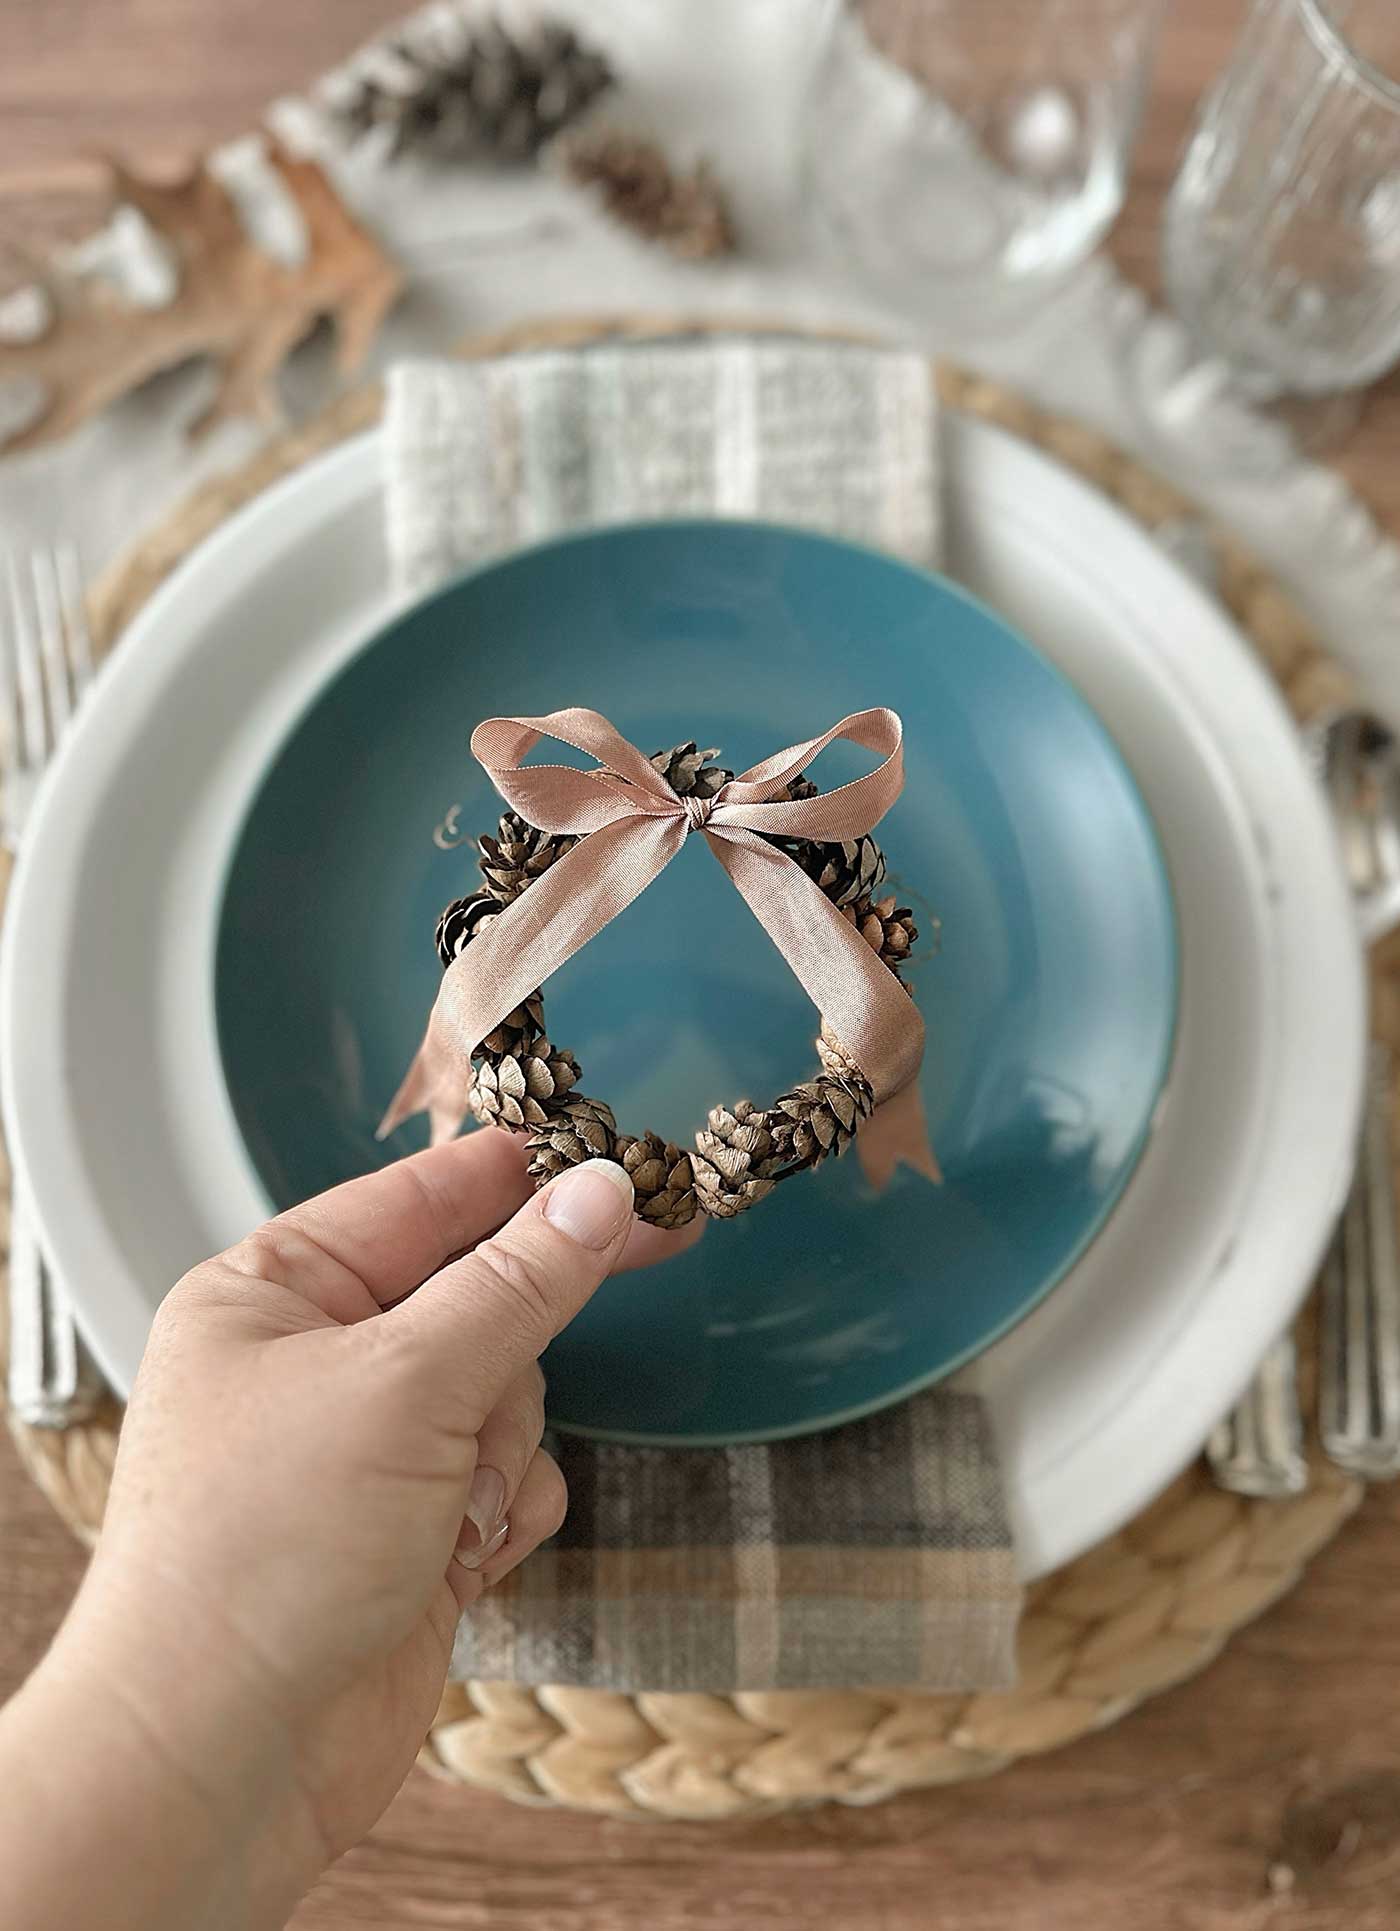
<point>115,1102</point>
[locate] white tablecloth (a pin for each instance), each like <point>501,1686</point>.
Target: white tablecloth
<point>728,77</point>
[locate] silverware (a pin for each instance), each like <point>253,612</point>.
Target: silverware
<point>1359,1353</point>
<point>1356,760</point>
<point>1258,1448</point>
<point>45,668</point>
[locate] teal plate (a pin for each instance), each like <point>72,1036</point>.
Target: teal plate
<point>1050,1002</point>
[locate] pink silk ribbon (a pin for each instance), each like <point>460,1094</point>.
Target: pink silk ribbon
<point>630,825</point>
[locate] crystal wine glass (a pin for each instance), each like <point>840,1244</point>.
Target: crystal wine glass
<point>1281,244</point>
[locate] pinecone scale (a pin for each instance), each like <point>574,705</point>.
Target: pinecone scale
<point>529,1090</point>
<point>818,1119</point>
<point>845,872</point>
<point>737,1160</point>
<point>459,923</point>
<point>519,854</point>
<point>662,1177</point>
<point>577,1129</point>
<point>888,929</point>
<point>691,772</point>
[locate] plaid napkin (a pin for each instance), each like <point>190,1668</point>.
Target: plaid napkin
<point>878,1554</point>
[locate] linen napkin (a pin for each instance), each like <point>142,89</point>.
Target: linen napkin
<point>879,1553</point>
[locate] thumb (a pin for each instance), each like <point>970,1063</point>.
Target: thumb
<point>487,1316</point>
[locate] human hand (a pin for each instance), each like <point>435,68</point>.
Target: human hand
<point>304,1451</point>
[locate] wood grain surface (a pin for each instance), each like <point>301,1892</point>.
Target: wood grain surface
<point>1266,1793</point>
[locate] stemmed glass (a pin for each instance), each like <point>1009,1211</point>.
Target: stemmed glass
<point>1281,245</point>
<point>963,152</point>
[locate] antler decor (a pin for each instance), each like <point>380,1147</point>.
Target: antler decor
<point>233,300</point>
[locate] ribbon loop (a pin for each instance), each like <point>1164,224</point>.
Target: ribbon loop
<point>630,825</point>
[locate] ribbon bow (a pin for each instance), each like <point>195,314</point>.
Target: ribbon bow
<point>631,824</point>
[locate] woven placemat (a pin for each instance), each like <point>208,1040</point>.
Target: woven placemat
<point>1146,1609</point>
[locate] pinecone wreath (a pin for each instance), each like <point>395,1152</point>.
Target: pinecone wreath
<point>472,94</point>
<point>742,1153</point>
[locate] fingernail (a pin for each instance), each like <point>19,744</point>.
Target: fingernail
<point>474,1558</point>
<point>486,1503</point>
<point>591,1203</point>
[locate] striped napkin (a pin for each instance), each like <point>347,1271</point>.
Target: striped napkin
<point>880,1553</point>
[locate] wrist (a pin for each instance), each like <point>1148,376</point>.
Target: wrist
<point>127,1735</point>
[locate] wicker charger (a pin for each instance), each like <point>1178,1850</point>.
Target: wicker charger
<point>1146,1609</point>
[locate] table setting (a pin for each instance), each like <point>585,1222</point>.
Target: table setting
<point>644,405</point>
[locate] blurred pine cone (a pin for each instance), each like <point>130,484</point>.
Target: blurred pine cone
<point>487,95</point>
<point>662,1178</point>
<point>683,212</point>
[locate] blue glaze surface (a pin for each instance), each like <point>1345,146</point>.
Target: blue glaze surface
<point>1050,1004</point>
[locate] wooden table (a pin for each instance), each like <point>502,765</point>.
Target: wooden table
<point>1266,1793</point>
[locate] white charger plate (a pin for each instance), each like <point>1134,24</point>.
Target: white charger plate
<point>115,1103</point>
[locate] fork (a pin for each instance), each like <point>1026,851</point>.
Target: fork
<point>45,668</point>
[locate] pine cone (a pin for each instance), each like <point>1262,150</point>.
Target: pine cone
<point>689,772</point>
<point>518,855</point>
<point>524,1091</point>
<point>819,1118</point>
<point>887,928</point>
<point>844,872</point>
<point>737,1160</point>
<point>662,1177</point>
<point>835,1059</point>
<point>517,1034</point>
<point>459,923</point>
<point>486,95</point>
<point>684,212</point>
<point>578,1129</point>
<point>802,787</point>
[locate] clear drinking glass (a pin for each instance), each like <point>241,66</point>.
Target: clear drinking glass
<point>965,148</point>
<point>1281,242</point>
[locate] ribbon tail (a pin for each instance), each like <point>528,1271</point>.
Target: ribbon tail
<point>425,1089</point>
<point>865,1005</point>
<point>895,1135</point>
